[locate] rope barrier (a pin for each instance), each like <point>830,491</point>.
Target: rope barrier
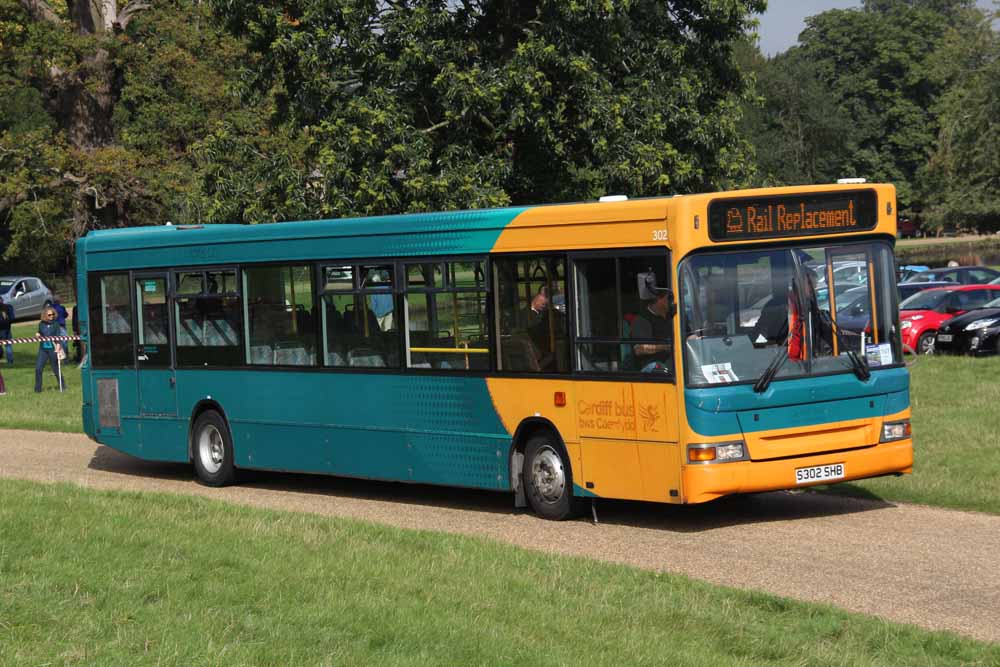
<point>39,339</point>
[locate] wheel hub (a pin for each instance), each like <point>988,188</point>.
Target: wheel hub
<point>211,449</point>
<point>547,475</point>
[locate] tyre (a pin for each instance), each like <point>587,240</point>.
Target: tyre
<point>212,450</point>
<point>548,479</point>
<point>925,344</point>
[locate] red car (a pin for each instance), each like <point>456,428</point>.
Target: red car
<point>922,314</point>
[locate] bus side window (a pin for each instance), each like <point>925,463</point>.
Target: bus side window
<point>359,327</point>
<point>623,315</point>
<point>531,306</point>
<point>110,321</point>
<point>446,315</point>
<point>279,315</point>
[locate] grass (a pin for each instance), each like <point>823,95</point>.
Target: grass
<point>955,425</point>
<point>47,411</point>
<point>955,422</point>
<point>119,578</point>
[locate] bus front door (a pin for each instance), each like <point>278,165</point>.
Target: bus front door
<point>157,382</point>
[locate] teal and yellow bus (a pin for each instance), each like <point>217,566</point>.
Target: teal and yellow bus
<point>670,350</point>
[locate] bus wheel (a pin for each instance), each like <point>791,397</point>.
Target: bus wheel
<point>548,480</point>
<point>213,450</point>
<point>925,344</point>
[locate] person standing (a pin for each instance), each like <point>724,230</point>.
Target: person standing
<point>6,320</point>
<point>61,313</point>
<point>47,351</point>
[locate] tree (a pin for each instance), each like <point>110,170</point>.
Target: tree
<point>961,182</point>
<point>101,106</point>
<point>434,104</point>
<point>875,62</point>
<point>800,132</point>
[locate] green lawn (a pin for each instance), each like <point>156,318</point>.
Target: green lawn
<point>117,578</point>
<point>47,411</point>
<point>956,422</point>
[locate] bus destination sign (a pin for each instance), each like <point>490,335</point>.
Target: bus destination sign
<point>792,215</point>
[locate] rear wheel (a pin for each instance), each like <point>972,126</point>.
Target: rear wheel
<point>925,344</point>
<point>548,479</point>
<point>212,450</point>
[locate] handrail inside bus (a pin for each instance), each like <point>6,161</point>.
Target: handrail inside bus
<point>452,350</point>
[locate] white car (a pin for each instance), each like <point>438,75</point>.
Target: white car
<point>28,295</point>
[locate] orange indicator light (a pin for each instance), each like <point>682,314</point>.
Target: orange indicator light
<point>560,399</point>
<point>701,454</point>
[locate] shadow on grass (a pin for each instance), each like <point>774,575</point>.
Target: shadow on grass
<point>725,512</point>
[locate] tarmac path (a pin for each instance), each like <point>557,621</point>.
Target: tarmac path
<point>938,569</point>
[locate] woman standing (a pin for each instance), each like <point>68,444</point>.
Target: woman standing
<point>47,351</point>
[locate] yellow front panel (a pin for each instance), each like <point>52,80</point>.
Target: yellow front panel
<point>630,470</point>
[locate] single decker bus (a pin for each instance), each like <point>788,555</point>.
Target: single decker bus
<point>672,350</point>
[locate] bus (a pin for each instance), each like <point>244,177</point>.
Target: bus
<point>671,350</point>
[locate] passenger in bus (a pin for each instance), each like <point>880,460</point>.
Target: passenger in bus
<point>545,327</point>
<point>652,323</point>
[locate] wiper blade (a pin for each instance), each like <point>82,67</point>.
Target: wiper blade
<point>761,385</point>
<point>859,367</point>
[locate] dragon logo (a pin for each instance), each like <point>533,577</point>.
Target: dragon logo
<point>650,415</point>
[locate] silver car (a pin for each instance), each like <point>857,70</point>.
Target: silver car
<point>27,294</point>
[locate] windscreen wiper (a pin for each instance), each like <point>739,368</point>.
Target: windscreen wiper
<point>761,385</point>
<point>859,367</point>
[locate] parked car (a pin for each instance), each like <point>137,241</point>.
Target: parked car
<point>906,290</point>
<point>977,332</point>
<point>962,275</point>
<point>922,314</point>
<point>27,294</point>
<point>907,271</point>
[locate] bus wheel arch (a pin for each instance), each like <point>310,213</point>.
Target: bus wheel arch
<point>538,446</point>
<point>210,445</point>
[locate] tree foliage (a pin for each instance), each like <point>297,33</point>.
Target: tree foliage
<point>961,182</point>
<point>428,104</point>
<point>100,108</point>
<point>860,95</point>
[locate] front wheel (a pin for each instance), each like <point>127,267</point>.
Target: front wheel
<point>548,479</point>
<point>925,344</point>
<point>212,450</point>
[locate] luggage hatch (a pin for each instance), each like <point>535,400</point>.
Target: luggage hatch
<point>775,433</point>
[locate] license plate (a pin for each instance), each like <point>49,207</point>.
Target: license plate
<point>944,338</point>
<point>819,473</point>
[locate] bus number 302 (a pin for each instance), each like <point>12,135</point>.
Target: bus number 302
<point>659,235</point>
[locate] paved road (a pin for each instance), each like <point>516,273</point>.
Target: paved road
<point>934,568</point>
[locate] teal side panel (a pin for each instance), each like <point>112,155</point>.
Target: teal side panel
<point>465,232</point>
<point>164,439</point>
<point>714,411</point>
<point>440,430</point>
<point>127,437</point>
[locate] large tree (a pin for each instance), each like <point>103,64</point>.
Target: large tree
<point>101,105</point>
<point>434,104</point>
<point>875,62</point>
<point>800,131</point>
<point>961,183</point>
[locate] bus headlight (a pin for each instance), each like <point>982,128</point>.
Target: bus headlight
<point>896,431</point>
<point>717,452</point>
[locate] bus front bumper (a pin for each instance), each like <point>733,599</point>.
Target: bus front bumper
<point>705,482</point>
